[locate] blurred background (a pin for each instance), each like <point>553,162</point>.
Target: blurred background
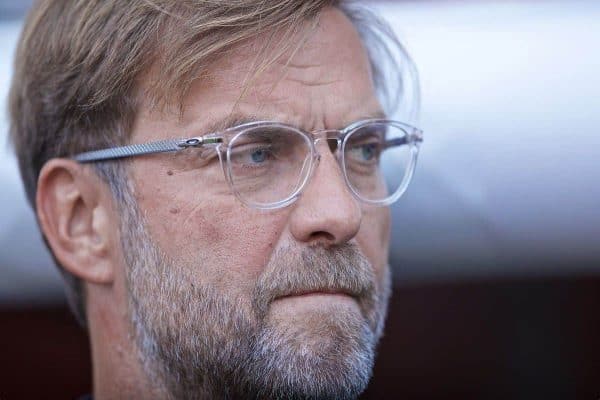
<point>496,245</point>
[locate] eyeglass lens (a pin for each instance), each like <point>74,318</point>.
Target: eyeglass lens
<point>377,159</point>
<point>268,165</point>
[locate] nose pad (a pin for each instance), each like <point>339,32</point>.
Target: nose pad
<point>333,142</point>
<point>305,174</point>
<point>333,145</point>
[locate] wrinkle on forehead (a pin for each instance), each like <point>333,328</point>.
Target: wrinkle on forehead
<point>299,65</point>
<point>312,83</point>
<point>325,83</point>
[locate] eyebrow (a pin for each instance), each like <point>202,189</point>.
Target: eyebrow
<point>229,121</point>
<point>377,114</point>
<point>239,118</point>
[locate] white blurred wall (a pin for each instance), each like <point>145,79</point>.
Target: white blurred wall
<point>508,176</point>
<point>507,181</point>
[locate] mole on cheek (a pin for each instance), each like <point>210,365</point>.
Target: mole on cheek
<point>170,173</point>
<point>174,210</point>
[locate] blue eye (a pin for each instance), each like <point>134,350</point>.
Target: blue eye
<point>259,156</point>
<point>369,151</point>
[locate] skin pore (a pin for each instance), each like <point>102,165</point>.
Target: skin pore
<point>186,241</point>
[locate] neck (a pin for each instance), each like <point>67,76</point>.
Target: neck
<point>117,370</point>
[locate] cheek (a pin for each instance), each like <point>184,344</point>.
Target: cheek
<point>213,235</point>
<point>374,236</point>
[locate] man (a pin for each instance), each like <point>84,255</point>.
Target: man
<point>207,175</point>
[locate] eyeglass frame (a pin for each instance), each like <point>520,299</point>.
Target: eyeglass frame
<point>413,138</point>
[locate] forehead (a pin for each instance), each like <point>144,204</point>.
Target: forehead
<point>323,80</point>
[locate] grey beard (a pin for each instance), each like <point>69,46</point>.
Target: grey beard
<point>200,343</point>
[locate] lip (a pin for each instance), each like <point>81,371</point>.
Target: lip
<point>316,293</point>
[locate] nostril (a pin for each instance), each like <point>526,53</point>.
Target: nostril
<point>322,236</point>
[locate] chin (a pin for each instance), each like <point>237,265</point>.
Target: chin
<point>319,354</point>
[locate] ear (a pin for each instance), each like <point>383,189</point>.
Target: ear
<point>74,210</point>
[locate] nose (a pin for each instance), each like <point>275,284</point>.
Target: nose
<point>327,213</point>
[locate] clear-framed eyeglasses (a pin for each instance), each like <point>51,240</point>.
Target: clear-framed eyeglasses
<point>268,164</point>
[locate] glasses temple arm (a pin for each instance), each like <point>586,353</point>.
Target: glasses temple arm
<point>403,140</point>
<point>161,146</point>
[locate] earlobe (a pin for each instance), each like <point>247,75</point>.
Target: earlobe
<point>74,214</point>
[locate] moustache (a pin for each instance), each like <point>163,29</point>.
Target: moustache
<point>293,271</point>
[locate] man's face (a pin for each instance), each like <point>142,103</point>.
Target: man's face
<point>225,298</point>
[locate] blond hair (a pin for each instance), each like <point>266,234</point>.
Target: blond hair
<point>79,64</point>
